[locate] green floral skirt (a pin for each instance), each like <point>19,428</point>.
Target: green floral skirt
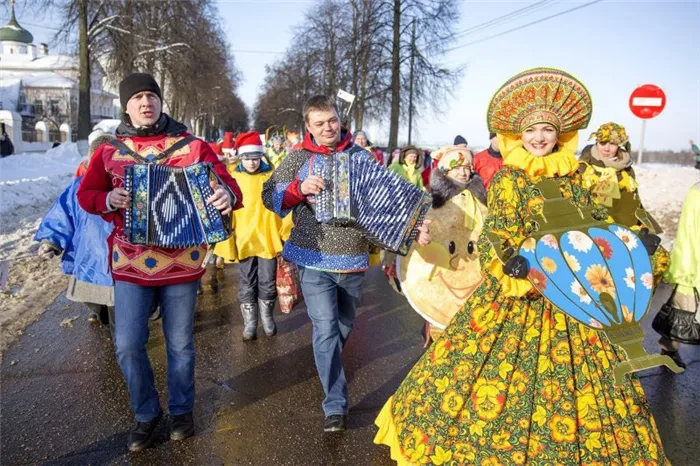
<point>516,381</point>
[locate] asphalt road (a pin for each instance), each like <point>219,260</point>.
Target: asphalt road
<point>64,400</point>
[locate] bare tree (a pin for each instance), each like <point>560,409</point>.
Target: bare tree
<point>181,43</point>
<point>365,47</point>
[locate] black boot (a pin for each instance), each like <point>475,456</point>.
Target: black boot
<point>267,308</point>
<point>142,435</point>
<point>182,427</point>
<point>249,311</point>
<point>334,423</point>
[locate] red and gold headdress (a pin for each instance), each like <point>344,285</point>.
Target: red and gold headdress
<point>540,95</point>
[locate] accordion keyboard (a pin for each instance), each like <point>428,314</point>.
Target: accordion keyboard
<point>362,194</point>
<point>168,206</point>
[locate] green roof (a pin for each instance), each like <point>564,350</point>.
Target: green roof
<point>14,32</point>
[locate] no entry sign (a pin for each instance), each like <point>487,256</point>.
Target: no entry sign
<point>647,101</point>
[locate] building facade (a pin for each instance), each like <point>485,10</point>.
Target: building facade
<point>42,89</point>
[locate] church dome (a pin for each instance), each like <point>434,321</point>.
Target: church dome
<point>13,32</point>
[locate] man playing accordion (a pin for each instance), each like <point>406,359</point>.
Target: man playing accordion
<point>143,273</point>
<point>332,259</point>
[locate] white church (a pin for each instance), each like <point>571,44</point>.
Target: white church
<point>39,91</point>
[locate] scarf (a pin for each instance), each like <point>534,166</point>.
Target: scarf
<point>164,126</point>
<point>345,142</point>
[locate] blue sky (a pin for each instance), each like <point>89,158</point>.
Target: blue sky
<point>611,46</point>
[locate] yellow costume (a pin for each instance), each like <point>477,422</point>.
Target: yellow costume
<point>274,157</point>
<point>256,230</point>
<point>512,380</point>
<point>438,278</point>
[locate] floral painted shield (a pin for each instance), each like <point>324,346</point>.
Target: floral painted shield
<point>598,273</point>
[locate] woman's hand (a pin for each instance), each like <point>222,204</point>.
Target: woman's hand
<point>650,241</point>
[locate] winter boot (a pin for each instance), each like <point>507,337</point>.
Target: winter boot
<point>249,311</point>
<point>268,319</point>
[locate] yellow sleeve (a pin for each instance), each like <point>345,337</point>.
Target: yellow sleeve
<point>503,222</point>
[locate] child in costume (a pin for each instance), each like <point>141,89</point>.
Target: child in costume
<point>257,240</point>
<point>409,165</point>
<point>438,278</point>
<point>513,380</point>
<point>80,239</point>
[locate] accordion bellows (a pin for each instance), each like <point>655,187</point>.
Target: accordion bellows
<point>168,206</point>
<point>362,194</point>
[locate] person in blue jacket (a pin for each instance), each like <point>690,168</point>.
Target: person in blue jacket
<point>80,239</point>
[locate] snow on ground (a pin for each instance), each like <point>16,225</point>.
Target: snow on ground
<point>36,177</point>
<point>29,184</point>
<point>663,189</point>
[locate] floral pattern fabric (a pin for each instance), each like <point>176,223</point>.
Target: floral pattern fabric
<point>612,133</point>
<point>540,95</point>
<point>513,380</point>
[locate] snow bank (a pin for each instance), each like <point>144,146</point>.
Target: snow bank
<point>32,178</point>
<point>664,187</point>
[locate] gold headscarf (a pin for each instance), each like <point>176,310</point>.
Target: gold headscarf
<point>613,133</point>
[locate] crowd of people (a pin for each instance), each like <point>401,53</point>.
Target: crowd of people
<point>506,377</point>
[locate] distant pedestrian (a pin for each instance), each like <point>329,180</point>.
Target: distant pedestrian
<point>6,147</point>
<point>696,151</point>
<point>460,142</point>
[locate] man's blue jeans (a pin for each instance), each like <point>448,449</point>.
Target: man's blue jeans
<point>132,309</point>
<point>331,299</point>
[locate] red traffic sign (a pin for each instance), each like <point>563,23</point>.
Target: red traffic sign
<point>647,101</point>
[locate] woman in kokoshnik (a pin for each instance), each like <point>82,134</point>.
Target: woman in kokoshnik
<point>513,380</point>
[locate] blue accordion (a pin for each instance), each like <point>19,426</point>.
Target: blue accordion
<point>362,194</point>
<point>168,206</point>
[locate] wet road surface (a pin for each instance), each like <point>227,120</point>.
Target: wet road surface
<point>64,400</point>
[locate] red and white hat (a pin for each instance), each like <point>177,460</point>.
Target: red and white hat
<point>249,145</point>
<point>227,145</point>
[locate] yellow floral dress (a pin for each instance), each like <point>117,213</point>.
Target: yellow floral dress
<point>513,380</point>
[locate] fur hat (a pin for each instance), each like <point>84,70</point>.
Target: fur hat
<point>406,150</point>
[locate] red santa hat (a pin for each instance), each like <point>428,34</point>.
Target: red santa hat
<point>249,145</point>
<point>227,145</point>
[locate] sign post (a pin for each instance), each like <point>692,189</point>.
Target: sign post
<point>646,102</point>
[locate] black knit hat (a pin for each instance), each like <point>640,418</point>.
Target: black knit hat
<point>135,83</point>
<point>459,140</point>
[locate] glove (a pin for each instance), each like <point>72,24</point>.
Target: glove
<point>650,241</point>
<point>516,267</point>
<point>48,251</point>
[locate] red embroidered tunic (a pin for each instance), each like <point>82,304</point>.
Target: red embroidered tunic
<point>146,265</point>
